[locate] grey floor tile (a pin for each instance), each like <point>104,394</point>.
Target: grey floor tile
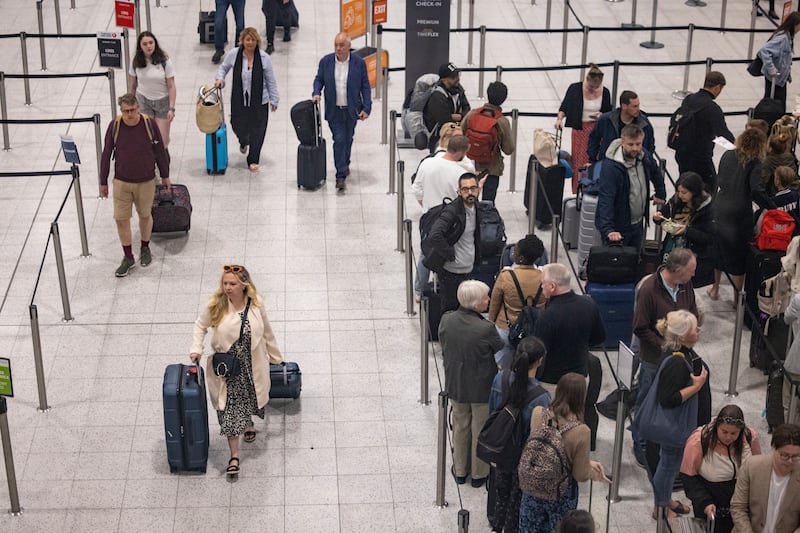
<point>322,518</point>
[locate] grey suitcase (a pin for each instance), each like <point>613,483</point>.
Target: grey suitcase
<point>588,235</point>
<point>570,222</point>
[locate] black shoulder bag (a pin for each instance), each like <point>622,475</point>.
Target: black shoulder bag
<point>225,364</point>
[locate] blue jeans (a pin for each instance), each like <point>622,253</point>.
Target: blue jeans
<point>669,464</point>
<point>220,30</point>
<point>423,275</point>
<point>490,188</point>
<point>342,128</point>
<point>647,373</point>
<point>505,355</point>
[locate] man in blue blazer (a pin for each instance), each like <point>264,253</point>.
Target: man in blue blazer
<point>347,100</point>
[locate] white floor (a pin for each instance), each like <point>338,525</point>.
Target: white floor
<point>357,451</point>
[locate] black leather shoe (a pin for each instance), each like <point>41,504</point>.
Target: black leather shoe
<point>478,483</point>
<point>287,36</point>
<point>459,479</point>
<point>217,56</point>
<point>340,185</point>
<point>270,48</point>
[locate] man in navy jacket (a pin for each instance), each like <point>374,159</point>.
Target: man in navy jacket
<point>625,178</point>
<point>609,126</point>
<point>344,78</point>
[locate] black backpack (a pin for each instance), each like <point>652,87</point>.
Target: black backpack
<point>502,437</point>
<point>492,230</point>
<point>526,321</point>
<point>427,221</point>
<point>682,134</point>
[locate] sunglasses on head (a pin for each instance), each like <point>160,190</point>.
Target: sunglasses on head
<point>732,421</point>
<point>232,268</point>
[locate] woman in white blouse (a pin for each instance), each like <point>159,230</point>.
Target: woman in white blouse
<point>153,81</point>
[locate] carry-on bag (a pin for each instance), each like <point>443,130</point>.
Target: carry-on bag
<point>588,234</point>
<point>570,222</point>
<point>760,265</point>
<point>776,336</point>
<point>613,264</point>
<point>434,310</point>
<point>217,151</point>
<point>550,192</point>
<point>486,270</point>
<point>768,108</point>
<point>304,120</point>
<point>185,417</point>
<point>311,163</point>
<point>172,209</point>
<point>286,380</point>
<point>651,257</point>
<point>692,524</point>
<point>205,26</point>
<point>209,114</point>
<point>492,230</point>
<point>773,410</point>
<point>616,310</point>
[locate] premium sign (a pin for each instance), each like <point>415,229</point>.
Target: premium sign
<point>427,38</point>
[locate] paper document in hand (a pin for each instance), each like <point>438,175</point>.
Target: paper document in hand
<point>725,143</point>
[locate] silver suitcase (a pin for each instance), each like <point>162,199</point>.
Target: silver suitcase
<point>570,222</point>
<point>588,235</point>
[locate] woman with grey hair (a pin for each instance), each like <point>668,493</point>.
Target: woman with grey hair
<point>469,343</point>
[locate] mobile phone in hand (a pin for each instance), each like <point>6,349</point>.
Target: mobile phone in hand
<point>697,366</point>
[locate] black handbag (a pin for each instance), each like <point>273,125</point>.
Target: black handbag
<point>225,364</point>
<point>755,66</point>
<point>613,264</point>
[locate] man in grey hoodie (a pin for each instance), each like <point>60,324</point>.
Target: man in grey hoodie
<point>625,178</point>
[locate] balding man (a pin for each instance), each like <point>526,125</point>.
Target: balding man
<point>344,78</point>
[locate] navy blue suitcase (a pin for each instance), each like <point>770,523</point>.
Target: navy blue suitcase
<point>185,418</point>
<point>286,381</point>
<point>616,310</point>
<point>486,271</point>
<point>217,151</point>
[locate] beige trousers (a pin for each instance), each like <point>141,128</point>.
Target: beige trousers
<point>468,420</point>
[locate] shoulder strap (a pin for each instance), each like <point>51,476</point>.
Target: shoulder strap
<point>534,393</point>
<point>244,318</point>
<point>148,126</point>
<point>505,381</point>
<point>519,289</point>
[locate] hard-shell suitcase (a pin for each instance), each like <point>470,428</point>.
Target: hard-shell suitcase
<point>286,380</point>
<point>172,209</point>
<point>760,265</point>
<point>434,310</point>
<point>588,235</point>
<point>616,310</point>
<point>205,27</point>
<point>185,417</point>
<point>217,151</point>
<point>570,222</point>
<point>311,157</point>
<point>550,193</point>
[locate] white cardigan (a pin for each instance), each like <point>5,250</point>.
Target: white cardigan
<point>263,349</point>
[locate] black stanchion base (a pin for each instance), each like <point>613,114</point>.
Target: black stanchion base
<point>630,25</point>
<point>652,45</point>
<point>695,3</point>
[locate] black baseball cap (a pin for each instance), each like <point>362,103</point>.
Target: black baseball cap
<point>448,70</point>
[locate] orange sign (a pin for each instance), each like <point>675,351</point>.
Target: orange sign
<point>371,61</point>
<point>379,12</point>
<point>123,9</point>
<point>354,17</point>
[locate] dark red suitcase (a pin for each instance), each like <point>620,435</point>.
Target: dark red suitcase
<point>172,209</point>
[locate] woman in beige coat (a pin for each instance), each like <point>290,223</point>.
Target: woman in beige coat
<point>239,397</point>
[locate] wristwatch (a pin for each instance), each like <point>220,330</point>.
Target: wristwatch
<point>172,109</point>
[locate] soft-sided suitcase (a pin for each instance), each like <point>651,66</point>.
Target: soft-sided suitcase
<point>550,191</point>
<point>304,119</point>
<point>205,27</point>
<point>217,151</point>
<point>776,335</point>
<point>760,265</point>
<point>651,257</point>
<point>486,270</point>
<point>172,209</point>
<point>570,222</point>
<point>613,265</point>
<point>286,380</point>
<point>185,417</point>
<point>774,404</point>
<point>311,156</point>
<point>616,310</point>
<point>434,310</point>
<point>588,235</point>
<point>769,109</point>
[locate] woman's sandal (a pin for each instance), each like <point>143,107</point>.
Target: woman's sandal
<point>250,435</point>
<point>253,167</point>
<point>713,295</point>
<point>679,508</point>
<point>233,469</point>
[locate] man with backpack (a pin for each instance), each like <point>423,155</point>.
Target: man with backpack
<point>489,132</point>
<point>693,128</point>
<point>134,142</point>
<point>447,103</point>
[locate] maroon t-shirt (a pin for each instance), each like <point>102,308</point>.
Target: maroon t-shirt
<point>136,156</point>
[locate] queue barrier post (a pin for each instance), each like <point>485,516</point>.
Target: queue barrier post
<point>137,18</point>
<point>147,14</point>
<point>533,172</point>
<point>4,111</point>
<point>737,345</point>
<point>58,16</point>
<point>37,359</point>
<point>72,4</point>
<point>584,47</point>
<point>481,60</point>
<point>565,34</point>
<point>615,80</point>
<point>619,437</point>
<point>463,521</point>
<point>652,44</point>
<point>40,22</point>
<point>512,159</point>
<point>723,11</point>
<point>23,48</point>
<point>549,11</point>
<point>424,396</point>
<point>379,56</point>
<point>695,3</point>
<point>709,64</point>
<point>554,238</point>
<point>392,148</point>
<point>441,451</point>
<point>384,103</point>
<point>632,23</point>
<point>8,458</point>
<point>753,12</point>
<point>76,185</point>
<point>683,93</point>
<point>409,268</point>
<point>401,166</point>
<point>62,276</point>
<point>98,147</point>
<point>498,73</point>
<point>112,91</point>
<point>471,23</point>
<point>126,55</point>
<point>458,14</point>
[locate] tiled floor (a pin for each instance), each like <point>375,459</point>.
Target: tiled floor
<point>357,451</point>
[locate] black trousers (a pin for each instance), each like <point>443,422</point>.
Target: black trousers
<point>703,166</point>
<point>448,289</point>
<point>506,502</point>
<point>270,9</point>
<point>250,126</point>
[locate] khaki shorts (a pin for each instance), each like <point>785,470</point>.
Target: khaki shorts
<point>127,194</point>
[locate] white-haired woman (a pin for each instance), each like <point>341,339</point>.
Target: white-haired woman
<point>469,343</point>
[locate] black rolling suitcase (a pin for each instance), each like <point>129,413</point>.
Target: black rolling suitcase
<point>185,417</point>
<point>774,405</point>
<point>551,189</point>
<point>205,27</point>
<point>769,109</point>
<point>761,264</point>
<point>311,164</point>
<point>776,336</point>
<point>172,209</point>
<point>286,380</point>
<point>434,310</point>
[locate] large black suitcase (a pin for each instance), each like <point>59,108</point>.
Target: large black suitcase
<point>769,109</point>
<point>775,335</point>
<point>551,190</point>
<point>286,380</point>
<point>434,311</point>
<point>761,264</point>
<point>305,119</point>
<point>205,27</point>
<point>185,417</point>
<point>172,209</point>
<point>311,165</point>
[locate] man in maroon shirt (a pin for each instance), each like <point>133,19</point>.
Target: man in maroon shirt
<point>135,143</point>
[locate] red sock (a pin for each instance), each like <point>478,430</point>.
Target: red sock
<point>128,251</point>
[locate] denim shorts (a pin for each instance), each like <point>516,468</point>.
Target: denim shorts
<point>154,108</point>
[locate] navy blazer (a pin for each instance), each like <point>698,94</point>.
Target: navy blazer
<point>358,89</point>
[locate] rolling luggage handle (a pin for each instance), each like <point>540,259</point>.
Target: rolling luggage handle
<point>317,137</point>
